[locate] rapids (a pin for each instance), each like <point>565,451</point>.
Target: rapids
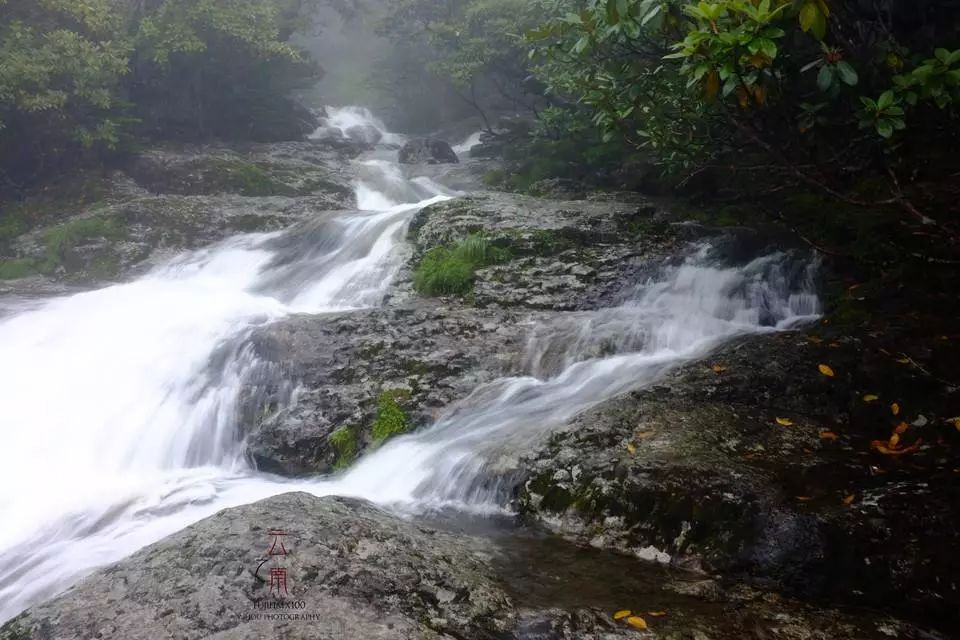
<point>121,422</point>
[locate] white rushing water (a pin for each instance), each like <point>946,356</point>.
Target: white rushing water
<point>120,418</point>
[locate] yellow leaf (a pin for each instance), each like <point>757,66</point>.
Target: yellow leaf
<point>785,422</point>
<point>895,409</point>
<point>656,614</point>
<point>895,441</point>
<point>903,360</point>
<point>870,398</point>
<point>637,623</point>
<point>956,422</point>
<point>643,435</point>
<point>849,500</point>
<point>814,339</point>
<point>718,368</point>
<point>623,613</point>
<point>632,449</point>
<point>804,498</point>
<point>828,435</point>
<point>827,371</point>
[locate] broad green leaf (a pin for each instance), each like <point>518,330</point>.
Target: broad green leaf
<point>825,77</point>
<point>886,99</point>
<point>847,73</point>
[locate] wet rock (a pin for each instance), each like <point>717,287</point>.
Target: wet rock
<point>699,469</point>
<point>283,169</point>
<point>358,571</point>
<point>352,570</point>
<point>367,134</point>
<point>180,197</point>
<point>428,151</point>
<point>343,363</point>
<point>564,255</point>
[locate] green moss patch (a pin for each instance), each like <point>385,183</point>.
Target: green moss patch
<point>451,270</point>
<point>344,440</point>
<point>391,419</point>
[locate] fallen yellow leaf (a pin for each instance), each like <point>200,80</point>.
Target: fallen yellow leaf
<point>895,441</point>
<point>849,500</point>
<point>870,398</point>
<point>643,435</point>
<point>903,360</point>
<point>637,623</point>
<point>785,422</point>
<point>623,613</point>
<point>632,449</point>
<point>804,498</point>
<point>717,368</point>
<point>895,409</point>
<point>827,371</point>
<point>656,614</point>
<point>955,422</point>
<point>828,435</point>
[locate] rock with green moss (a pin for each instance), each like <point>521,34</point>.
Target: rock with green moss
<point>553,254</point>
<point>280,169</point>
<point>383,371</point>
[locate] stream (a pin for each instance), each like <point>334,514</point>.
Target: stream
<point>122,416</point>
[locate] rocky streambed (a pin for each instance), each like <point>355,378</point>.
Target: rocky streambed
<point>741,496</point>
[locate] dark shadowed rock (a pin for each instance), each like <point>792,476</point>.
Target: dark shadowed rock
<point>697,471</point>
<point>428,151</point>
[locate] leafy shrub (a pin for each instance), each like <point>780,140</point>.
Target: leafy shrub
<point>452,270</point>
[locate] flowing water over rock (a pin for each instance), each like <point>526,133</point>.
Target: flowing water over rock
<point>132,394</point>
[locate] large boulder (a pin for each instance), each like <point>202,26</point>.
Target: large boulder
<point>428,151</point>
<point>353,571</point>
<point>424,357</point>
<point>563,255</point>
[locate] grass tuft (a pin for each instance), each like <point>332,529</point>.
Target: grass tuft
<point>452,270</point>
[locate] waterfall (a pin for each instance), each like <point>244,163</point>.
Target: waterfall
<point>121,405</point>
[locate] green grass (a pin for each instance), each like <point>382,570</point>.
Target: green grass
<point>13,269</point>
<point>391,419</point>
<point>451,270</point>
<point>344,440</point>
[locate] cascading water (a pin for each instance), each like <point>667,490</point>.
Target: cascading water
<point>130,394</point>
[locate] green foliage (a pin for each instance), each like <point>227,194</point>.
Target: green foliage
<point>391,419</point>
<point>452,270</point>
<point>80,79</point>
<point>344,440</point>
